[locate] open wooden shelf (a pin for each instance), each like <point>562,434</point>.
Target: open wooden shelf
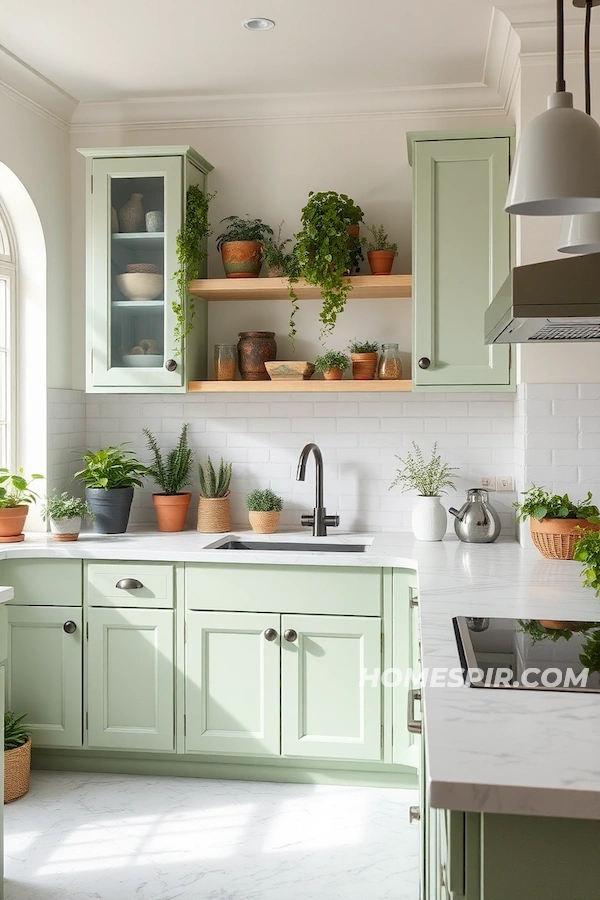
<point>311,387</point>
<point>364,287</point>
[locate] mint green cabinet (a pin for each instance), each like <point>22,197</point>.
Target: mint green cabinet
<point>44,677</point>
<point>461,256</point>
<point>232,683</point>
<point>406,659</point>
<point>44,582</point>
<point>329,710</point>
<point>130,318</point>
<point>130,679</point>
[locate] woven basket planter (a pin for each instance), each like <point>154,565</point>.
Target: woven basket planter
<point>214,515</point>
<point>556,538</point>
<point>264,522</point>
<point>17,764</point>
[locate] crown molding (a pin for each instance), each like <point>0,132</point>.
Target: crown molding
<point>27,87</point>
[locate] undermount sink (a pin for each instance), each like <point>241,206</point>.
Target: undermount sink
<point>290,546</point>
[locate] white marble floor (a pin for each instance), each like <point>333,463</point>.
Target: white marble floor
<point>116,837</point>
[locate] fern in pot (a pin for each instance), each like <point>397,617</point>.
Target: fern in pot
<point>241,246</point>
<point>214,513</point>
<point>171,472</point>
<point>65,514</point>
<point>429,478</point>
<point>264,510</point>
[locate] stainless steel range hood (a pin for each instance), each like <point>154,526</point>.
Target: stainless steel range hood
<point>558,300</point>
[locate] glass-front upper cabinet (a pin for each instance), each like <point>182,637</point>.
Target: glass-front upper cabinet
<point>135,207</point>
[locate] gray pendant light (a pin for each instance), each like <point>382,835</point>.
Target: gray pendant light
<point>581,234</point>
<point>557,164</point>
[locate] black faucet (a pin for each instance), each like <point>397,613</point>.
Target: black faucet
<point>319,519</point>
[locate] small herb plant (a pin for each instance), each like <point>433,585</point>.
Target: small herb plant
<point>244,230</point>
<point>191,252</point>
<point>213,483</point>
<point>587,551</point>
<point>428,478</point>
<point>263,501</point>
<point>172,471</point>
<point>65,506</point>
<point>539,504</point>
<point>364,347</point>
<point>15,733</point>
<point>332,359</point>
<point>111,468</point>
<point>326,252</point>
<point>278,262</point>
<point>379,240</point>
<point>15,489</point>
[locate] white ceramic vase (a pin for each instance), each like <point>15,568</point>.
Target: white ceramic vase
<point>429,519</point>
<point>65,529</point>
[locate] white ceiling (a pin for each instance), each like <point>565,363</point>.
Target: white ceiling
<point>150,48</point>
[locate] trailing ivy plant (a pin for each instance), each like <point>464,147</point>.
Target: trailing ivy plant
<point>326,252</point>
<point>191,253</point>
<point>539,504</point>
<point>428,478</point>
<point>587,551</point>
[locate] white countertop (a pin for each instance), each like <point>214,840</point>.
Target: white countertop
<point>525,752</point>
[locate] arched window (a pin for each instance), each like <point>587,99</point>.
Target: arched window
<point>8,287</point>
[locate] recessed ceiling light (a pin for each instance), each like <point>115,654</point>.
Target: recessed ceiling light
<point>257,23</point>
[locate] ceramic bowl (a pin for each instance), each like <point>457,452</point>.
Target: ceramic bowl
<point>289,370</point>
<point>143,360</point>
<point>140,285</point>
<point>148,268</point>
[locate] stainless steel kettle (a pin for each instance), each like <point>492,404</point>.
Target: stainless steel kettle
<point>476,522</point>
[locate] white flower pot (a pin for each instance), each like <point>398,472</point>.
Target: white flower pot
<point>65,529</point>
<point>429,519</point>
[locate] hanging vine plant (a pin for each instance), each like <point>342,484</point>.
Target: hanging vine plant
<point>191,254</point>
<point>327,252</point>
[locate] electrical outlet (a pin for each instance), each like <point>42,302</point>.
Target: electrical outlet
<point>488,482</point>
<point>506,483</point>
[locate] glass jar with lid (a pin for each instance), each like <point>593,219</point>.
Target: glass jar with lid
<point>390,364</point>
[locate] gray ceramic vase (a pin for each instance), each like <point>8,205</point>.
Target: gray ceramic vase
<point>111,508</point>
<point>131,215</point>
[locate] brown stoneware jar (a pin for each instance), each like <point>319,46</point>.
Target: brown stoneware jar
<point>255,348</point>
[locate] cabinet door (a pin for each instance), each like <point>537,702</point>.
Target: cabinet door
<point>328,708</point>
<point>406,749</point>
<point>461,256</point>
<point>44,674</point>
<point>131,325</point>
<point>232,683</point>
<point>131,679</point>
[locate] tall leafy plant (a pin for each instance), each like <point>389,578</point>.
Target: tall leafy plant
<point>191,253</point>
<point>172,471</point>
<point>111,467</point>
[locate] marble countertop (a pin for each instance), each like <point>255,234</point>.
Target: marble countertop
<point>523,752</point>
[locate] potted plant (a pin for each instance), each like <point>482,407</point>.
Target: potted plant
<point>430,479</point>
<point>16,497</point>
<point>555,521</point>
<point>109,476</point>
<point>380,252</point>
<point>279,263</point>
<point>65,514</point>
<point>241,246</point>
<point>191,252</point>
<point>326,250</point>
<point>264,510</point>
<point>214,515</point>
<point>171,473</point>
<point>17,757</point>
<point>332,364</point>
<point>364,356</point>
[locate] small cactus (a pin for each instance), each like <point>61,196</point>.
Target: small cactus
<point>214,484</point>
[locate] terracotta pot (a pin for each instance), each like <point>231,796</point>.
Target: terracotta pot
<point>171,510</point>
<point>17,766</point>
<point>381,261</point>
<point>214,515</point>
<point>242,259</point>
<point>255,348</point>
<point>12,521</point>
<point>264,522</point>
<point>556,538</point>
<point>333,374</point>
<point>364,366</point>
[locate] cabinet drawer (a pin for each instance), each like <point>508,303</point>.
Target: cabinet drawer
<point>156,590</point>
<point>315,590</point>
<point>44,582</point>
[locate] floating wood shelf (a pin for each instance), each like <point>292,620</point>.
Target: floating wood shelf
<point>311,387</point>
<point>364,287</point>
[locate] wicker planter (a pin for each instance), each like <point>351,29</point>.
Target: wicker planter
<point>214,515</point>
<point>264,522</point>
<point>17,764</point>
<point>556,538</point>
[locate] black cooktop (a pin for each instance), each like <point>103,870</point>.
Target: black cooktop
<point>529,654</point>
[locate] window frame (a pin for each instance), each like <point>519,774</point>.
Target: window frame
<point>9,273</point>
